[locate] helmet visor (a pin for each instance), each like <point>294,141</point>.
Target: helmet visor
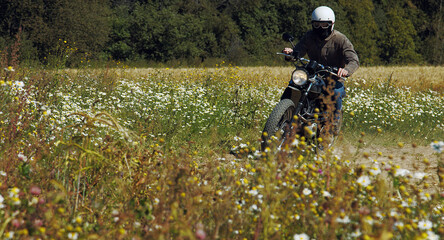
<point>321,24</point>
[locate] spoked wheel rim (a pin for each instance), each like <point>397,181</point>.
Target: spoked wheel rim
<point>285,125</point>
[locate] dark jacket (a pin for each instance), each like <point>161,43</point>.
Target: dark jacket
<point>336,50</point>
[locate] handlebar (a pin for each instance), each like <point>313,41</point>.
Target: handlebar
<point>331,70</point>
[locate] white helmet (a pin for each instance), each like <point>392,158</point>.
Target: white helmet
<point>323,13</point>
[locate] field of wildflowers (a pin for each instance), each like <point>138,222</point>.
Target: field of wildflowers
<point>96,154</point>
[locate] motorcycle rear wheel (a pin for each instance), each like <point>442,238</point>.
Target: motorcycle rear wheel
<point>279,120</point>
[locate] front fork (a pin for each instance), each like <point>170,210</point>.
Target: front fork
<point>301,101</point>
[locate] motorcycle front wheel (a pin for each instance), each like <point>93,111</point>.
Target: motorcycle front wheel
<point>279,120</point>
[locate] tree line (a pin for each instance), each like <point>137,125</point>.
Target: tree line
<point>195,32</point>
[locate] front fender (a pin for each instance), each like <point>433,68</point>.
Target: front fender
<point>292,93</point>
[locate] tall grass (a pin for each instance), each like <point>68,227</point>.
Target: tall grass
<point>114,153</point>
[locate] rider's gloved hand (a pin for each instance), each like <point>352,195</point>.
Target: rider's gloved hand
<point>288,51</point>
<point>342,72</point>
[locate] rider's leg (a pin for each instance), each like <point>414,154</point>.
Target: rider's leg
<point>339,94</point>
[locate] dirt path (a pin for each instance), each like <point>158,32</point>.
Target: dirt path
<point>406,157</point>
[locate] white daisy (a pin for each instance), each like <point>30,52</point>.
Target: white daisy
<point>301,236</point>
<point>425,225</point>
<point>364,181</point>
<point>306,191</point>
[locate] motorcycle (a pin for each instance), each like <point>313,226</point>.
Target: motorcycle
<point>306,109</point>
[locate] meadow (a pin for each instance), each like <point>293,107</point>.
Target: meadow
<point>120,153</point>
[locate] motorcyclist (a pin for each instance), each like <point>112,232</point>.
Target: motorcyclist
<point>328,47</point>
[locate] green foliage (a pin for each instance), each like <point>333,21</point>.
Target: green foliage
<point>44,23</point>
<point>244,32</point>
<point>430,28</point>
<point>363,29</point>
<point>399,42</point>
<point>85,23</point>
<point>119,45</point>
<point>258,25</point>
<point>163,33</point>
<point>293,16</point>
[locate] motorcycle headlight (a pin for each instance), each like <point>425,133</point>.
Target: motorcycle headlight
<point>299,77</point>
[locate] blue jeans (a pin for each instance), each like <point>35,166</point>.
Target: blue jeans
<point>339,94</point>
